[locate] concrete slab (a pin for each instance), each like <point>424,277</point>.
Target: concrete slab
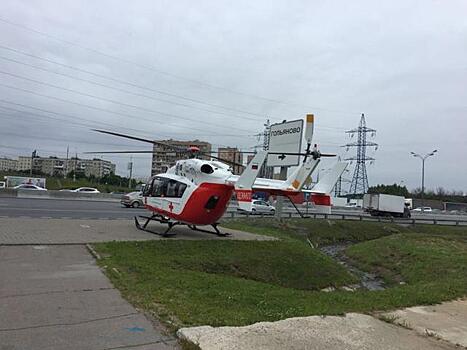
<point>14,231</point>
<point>447,321</point>
<point>352,332</point>
<point>55,297</point>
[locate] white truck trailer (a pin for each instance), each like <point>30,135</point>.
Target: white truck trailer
<point>378,204</point>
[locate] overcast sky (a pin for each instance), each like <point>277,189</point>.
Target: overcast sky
<point>216,70</point>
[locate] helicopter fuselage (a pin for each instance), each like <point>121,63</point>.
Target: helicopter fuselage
<point>194,191</point>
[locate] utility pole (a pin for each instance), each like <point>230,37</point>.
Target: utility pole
<point>130,167</point>
<point>76,163</point>
<point>66,164</point>
<point>423,158</point>
<point>33,155</point>
<point>359,184</point>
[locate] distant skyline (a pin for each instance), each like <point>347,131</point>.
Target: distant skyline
<point>216,70</point>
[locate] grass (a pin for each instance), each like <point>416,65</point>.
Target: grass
<point>319,232</point>
<point>237,283</point>
<point>413,258</point>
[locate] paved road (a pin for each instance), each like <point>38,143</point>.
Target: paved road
<point>89,209</point>
<point>69,209</point>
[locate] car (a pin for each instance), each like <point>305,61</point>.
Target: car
<point>2,184</point>
<point>132,199</point>
<point>424,209</point>
<point>86,190</point>
<point>352,205</point>
<point>29,187</point>
<point>260,206</point>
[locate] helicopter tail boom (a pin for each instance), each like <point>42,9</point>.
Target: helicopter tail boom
<point>244,184</point>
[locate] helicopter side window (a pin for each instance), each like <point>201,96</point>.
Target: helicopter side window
<point>172,188</point>
<point>207,169</point>
<point>175,189</point>
<point>181,189</point>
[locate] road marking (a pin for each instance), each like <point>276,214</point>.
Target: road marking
<point>46,217</point>
<point>65,217</point>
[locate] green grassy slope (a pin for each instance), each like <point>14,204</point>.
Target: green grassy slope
<point>238,283</point>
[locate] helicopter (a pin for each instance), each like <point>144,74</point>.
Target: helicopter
<point>196,192</point>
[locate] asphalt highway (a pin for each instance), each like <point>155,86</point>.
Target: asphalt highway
<point>65,209</point>
<point>93,209</point>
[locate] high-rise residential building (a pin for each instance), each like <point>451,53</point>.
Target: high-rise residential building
<point>90,167</point>
<point>7,164</point>
<point>233,157</point>
<point>164,157</point>
<point>54,166</point>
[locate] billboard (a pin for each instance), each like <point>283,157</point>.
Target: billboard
<point>285,137</point>
<point>13,181</point>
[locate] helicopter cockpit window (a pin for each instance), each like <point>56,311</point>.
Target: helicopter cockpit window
<point>147,189</point>
<point>207,169</point>
<point>163,187</point>
<point>159,186</point>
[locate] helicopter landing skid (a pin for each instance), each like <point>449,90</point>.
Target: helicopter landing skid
<point>164,220</point>
<point>157,218</point>
<point>214,226</point>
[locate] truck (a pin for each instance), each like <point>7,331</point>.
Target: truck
<point>378,204</point>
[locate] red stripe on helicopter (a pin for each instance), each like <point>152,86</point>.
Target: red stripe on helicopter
<point>321,199</point>
<point>243,195</point>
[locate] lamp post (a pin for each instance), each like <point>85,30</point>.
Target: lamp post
<point>423,158</point>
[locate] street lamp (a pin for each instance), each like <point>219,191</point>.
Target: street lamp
<point>423,158</point>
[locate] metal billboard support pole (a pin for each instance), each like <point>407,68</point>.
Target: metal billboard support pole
<point>280,199</point>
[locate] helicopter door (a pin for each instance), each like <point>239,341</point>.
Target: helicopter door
<point>167,194</point>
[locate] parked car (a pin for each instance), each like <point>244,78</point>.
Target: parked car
<point>87,190</point>
<point>29,187</point>
<point>260,206</point>
<point>425,209</point>
<point>132,199</point>
<point>2,184</point>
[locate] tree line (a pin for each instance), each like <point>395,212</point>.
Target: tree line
<point>438,194</point>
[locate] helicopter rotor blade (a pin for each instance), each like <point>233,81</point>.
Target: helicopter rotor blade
<point>138,139</point>
<point>108,152</point>
<point>223,160</point>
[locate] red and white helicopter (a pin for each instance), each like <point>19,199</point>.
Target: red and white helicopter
<point>196,192</point>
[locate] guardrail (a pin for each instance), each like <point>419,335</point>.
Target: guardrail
<point>355,217</point>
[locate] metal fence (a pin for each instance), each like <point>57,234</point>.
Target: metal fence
<point>355,217</point>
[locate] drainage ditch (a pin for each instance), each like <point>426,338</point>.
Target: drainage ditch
<point>368,280</point>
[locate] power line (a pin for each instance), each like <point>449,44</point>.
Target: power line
<point>159,71</point>
<point>105,100</point>
<point>137,86</point>
<point>120,81</point>
<point>123,90</point>
<point>91,107</point>
<point>82,125</point>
